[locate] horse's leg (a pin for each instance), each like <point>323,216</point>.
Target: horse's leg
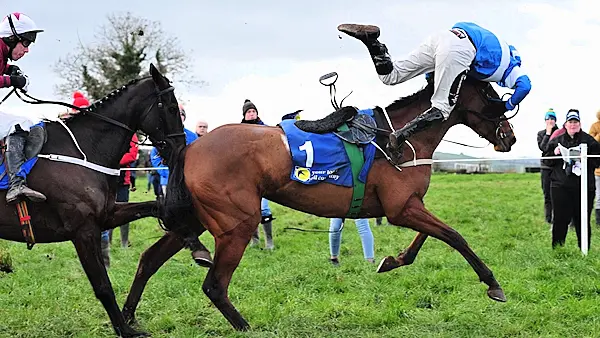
<point>129,212</point>
<point>229,248</point>
<point>406,257</point>
<point>150,261</point>
<point>87,244</point>
<point>415,216</point>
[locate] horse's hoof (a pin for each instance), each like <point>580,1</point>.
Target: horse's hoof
<point>131,333</point>
<point>496,294</point>
<point>387,264</point>
<point>242,327</point>
<point>205,263</point>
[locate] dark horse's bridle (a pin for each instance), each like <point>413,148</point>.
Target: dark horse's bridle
<point>90,111</point>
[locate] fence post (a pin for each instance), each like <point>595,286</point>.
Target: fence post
<point>584,200</point>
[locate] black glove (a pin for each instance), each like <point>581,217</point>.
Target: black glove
<point>19,81</point>
<point>13,70</point>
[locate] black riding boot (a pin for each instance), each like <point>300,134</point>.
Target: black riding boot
<point>15,157</point>
<point>419,123</point>
<point>368,34</point>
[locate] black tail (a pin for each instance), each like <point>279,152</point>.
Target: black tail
<point>178,201</point>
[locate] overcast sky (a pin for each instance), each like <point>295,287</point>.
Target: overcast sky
<point>273,52</point>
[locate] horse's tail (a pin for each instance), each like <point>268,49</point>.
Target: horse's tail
<point>178,201</point>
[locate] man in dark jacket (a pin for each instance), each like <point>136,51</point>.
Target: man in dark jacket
<point>251,117</point>
<point>543,136</point>
<point>565,179</point>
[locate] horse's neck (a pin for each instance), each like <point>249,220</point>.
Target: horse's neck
<point>101,142</point>
<point>424,142</point>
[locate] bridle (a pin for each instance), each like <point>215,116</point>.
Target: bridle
<point>500,133</point>
<point>158,95</point>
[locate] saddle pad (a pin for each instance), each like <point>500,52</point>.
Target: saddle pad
<point>25,169</point>
<point>321,157</point>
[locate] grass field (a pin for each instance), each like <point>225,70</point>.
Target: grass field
<point>295,292</point>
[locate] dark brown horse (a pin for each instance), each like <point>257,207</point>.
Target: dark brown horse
<point>81,201</point>
<point>228,171</point>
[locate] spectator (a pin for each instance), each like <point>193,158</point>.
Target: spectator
<point>250,114</point>
<point>157,161</point>
<point>201,128</point>
<point>543,136</point>
<point>133,173</point>
<point>124,187</point>
<point>364,231</point>
<point>595,133</point>
<point>565,180</point>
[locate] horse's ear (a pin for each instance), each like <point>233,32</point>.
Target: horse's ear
<point>156,75</point>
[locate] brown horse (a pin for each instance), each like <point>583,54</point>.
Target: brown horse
<point>228,171</point>
<point>81,201</point>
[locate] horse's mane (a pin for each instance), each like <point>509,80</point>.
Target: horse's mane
<point>424,93</point>
<point>106,99</point>
<point>114,94</point>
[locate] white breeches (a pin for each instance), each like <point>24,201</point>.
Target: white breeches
<point>444,53</point>
<point>8,123</point>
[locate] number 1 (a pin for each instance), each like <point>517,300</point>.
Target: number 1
<point>307,146</point>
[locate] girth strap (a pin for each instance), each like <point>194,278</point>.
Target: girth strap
<point>357,160</point>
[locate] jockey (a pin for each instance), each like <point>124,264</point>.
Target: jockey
<point>465,49</point>
<point>17,33</point>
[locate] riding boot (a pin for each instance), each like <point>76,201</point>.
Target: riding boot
<point>368,35</point>
<point>105,246</point>
<point>268,227</point>
<point>424,121</point>
<point>255,238</point>
<point>15,157</point>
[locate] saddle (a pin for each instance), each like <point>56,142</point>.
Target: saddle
<point>361,128</point>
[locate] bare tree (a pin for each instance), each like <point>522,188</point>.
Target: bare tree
<point>122,51</point>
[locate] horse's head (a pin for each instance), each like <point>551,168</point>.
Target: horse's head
<point>480,108</point>
<point>161,120</point>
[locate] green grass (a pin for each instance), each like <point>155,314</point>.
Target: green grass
<point>295,292</point>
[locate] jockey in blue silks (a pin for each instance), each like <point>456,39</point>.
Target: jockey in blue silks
<point>466,48</point>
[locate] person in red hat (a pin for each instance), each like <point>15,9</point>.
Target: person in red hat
<point>79,101</point>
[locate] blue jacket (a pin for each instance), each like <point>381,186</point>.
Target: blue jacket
<point>157,160</point>
<point>496,61</point>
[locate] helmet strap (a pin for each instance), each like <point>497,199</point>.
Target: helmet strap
<point>12,28</point>
<point>11,42</point>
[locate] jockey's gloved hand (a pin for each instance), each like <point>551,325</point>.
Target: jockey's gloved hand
<point>13,70</point>
<point>20,82</point>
